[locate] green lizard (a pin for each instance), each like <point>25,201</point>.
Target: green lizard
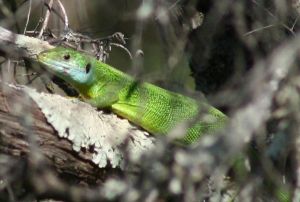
<point>153,108</point>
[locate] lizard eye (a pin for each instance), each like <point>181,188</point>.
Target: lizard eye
<point>67,57</point>
<point>87,68</point>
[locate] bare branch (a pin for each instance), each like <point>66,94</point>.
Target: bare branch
<point>46,19</point>
<point>63,10</point>
<point>28,16</point>
<point>23,45</point>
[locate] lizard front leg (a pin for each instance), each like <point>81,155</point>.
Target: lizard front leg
<point>104,98</point>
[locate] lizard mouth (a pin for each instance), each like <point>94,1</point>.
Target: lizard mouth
<point>56,65</point>
<point>53,64</point>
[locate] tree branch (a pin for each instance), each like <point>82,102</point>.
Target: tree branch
<point>25,46</point>
<point>14,137</point>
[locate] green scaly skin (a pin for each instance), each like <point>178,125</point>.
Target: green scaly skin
<point>151,107</point>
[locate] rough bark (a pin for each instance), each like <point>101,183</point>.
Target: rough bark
<point>21,45</point>
<point>21,134</point>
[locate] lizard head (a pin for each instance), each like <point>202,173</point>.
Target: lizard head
<point>68,64</point>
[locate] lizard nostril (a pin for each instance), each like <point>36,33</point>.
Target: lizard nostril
<point>67,57</point>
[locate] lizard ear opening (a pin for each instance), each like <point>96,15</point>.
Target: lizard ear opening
<point>67,57</point>
<point>87,68</point>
